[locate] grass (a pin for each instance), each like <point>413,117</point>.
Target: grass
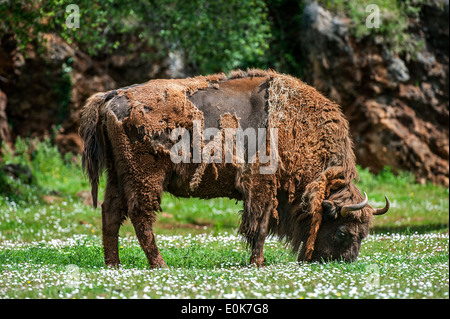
<point>205,266</point>
<point>50,244</point>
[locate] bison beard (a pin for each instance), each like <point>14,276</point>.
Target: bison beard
<point>126,132</point>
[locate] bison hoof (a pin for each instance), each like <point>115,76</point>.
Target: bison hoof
<point>257,262</point>
<point>160,264</point>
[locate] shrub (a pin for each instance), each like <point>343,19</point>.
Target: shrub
<point>52,172</point>
<point>212,35</point>
<point>394,15</point>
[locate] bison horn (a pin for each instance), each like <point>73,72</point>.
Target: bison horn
<point>381,211</point>
<point>348,208</point>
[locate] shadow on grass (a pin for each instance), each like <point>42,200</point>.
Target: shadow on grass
<point>410,229</point>
<point>85,257</point>
<point>92,258</point>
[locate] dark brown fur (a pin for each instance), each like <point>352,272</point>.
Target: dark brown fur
<point>126,131</point>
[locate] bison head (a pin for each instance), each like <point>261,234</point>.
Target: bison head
<point>343,226</point>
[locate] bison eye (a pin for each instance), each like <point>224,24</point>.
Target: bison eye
<point>342,234</point>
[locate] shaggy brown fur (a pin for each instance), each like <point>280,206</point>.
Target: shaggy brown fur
<point>127,132</point>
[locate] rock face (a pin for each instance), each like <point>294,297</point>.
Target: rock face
<point>398,108</point>
<point>4,128</point>
<point>34,86</point>
<point>42,94</point>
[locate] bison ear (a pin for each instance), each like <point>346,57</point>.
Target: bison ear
<point>329,210</point>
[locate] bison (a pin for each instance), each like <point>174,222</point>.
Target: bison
<point>306,196</point>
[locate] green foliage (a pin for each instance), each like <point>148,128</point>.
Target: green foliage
<point>283,54</point>
<point>52,172</point>
<point>216,35</point>
<point>394,15</point>
<point>213,35</point>
<point>419,207</point>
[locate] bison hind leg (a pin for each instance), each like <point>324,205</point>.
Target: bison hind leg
<point>143,226</point>
<point>144,200</point>
<point>113,213</point>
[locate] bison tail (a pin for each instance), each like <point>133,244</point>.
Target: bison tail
<point>93,156</point>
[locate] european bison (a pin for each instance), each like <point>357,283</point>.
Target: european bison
<point>295,183</point>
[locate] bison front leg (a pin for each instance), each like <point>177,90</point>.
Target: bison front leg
<point>144,199</point>
<point>259,204</point>
<point>258,237</point>
<point>254,227</point>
